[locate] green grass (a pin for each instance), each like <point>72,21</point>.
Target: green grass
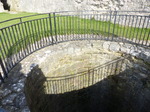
<point>19,36</point>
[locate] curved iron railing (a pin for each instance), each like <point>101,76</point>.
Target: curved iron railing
<point>21,36</point>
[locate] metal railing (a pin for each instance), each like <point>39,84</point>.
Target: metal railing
<point>19,37</point>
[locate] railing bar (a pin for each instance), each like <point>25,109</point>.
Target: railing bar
<point>100,27</point>
<point>21,48</point>
<point>123,34</point>
<point>97,24</point>
<point>55,28</point>
<point>45,33</point>
<point>130,34</point>
<point>142,31</point>
<point>106,25</point>
<point>9,43</point>
<point>34,41</point>
<point>134,28</point>
<point>30,38</point>
<point>15,41</point>
<point>6,48</point>
<point>48,30</point>
<point>103,27</point>
<point>136,38</point>
<point>28,42</point>
<point>51,28</point>
<point>128,27</point>
<point>67,28</point>
<point>42,35</point>
<point>23,35</point>
<point>109,23</point>
<point>37,35</point>
<point>4,69</point>
<point>3,65</point>
<point>58,28</point>
<point>19,38</point>
<point>121,28</point>
<point>145,31</point>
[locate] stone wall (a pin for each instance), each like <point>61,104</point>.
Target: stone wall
<point>73,5</point>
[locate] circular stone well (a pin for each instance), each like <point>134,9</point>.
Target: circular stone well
<point>89,76</point>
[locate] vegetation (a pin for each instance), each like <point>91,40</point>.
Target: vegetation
<point>21,32</point>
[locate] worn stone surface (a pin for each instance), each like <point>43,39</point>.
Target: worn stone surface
<point>73,5</point>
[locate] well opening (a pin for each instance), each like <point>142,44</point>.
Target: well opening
<point>86,77</point>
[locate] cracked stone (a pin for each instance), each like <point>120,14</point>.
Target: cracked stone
<point>9,99</point>
<point>4,92</point>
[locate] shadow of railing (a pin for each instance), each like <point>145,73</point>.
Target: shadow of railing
<point>55,85</point>
<point>111,87</point>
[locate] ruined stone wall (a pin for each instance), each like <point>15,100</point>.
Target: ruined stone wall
<point>1,7</point>
<point>73,5</point>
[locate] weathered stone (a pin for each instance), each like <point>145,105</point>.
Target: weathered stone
<point>114,47</point>
<point>145,56</point>
<point>134,53</point>
<point>1,7</point>
<point>106,45</point>
<point>17,87</point>
<point>58,5</point>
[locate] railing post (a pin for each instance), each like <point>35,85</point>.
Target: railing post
<point>55,28</point>
<point>115,14</point>
<point>20,20</point>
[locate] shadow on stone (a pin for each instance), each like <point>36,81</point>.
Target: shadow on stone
<point>119,90</point>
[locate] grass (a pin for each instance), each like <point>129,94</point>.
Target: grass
<point>19,36</point>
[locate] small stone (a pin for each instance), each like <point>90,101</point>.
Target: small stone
<point>25,109</point>
<point>5,92</point>
<point>17,87</point>
<point>106,45</point>
<point>3,110</point>
<point>10,109</point>
<point>9,99</point>
<point>145,56</point>
<point>134,53</point>
<point>143,70</point>
<point>32,66</point>
<point>143,75</point>
<point>114,47</point>
<point>20,100</point>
